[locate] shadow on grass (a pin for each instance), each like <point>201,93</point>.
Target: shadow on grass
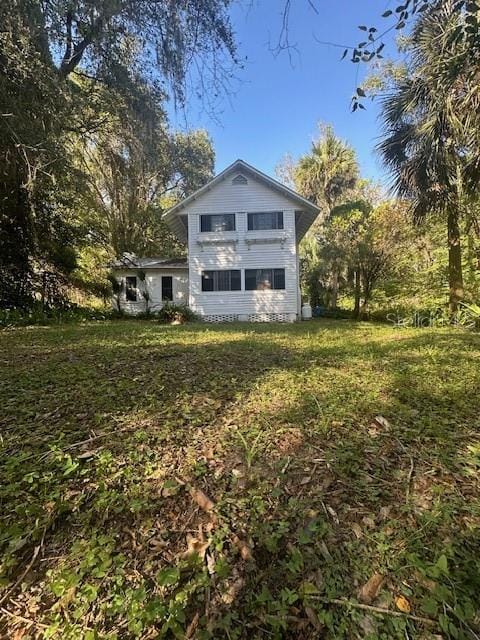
<point>315,474</point>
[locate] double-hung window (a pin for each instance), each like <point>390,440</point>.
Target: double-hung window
<point>131,288</point>
<point>265,220</point>
<point>262,279</point>
<point>217,222</point>
<point>221,280</point>
<point>167,288</point>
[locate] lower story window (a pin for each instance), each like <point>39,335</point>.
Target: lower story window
<point>221,280</point>
<point>167,288</point>
<point>262,279</point>
<point>131,288</point>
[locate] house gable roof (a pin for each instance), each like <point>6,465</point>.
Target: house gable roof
<point>306,214</point>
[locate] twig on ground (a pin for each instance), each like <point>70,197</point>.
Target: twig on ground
<point>97,437</point>
<point>183,530</point>
<point>23,619</point>
<point>286,465</point>
<point>409,480</point>
<point>88,440</point>
<point>17,582</point>
<point>470,630</point>
<point>367,607</point>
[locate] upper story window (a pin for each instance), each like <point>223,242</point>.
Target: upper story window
<point>217,222</point>
<point>131,288</point>
<point>221,280</point>
<point>261,279</point>
<point>265,220</point>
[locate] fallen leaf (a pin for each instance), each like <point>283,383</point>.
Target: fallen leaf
<point>325,552</point>
<point>243,547</point>
<point>369,625</point>
<point>327,483</point>
<point>313,618</point>
<point>333,513</point>
<point>385,513</point>
<point>189,633</point>
<point>196,547</point>
<point>233,590</point>
<point>210,453</point>
<point>209,527</point>
<point>158,544</point>
<point>49,506</point>
<point>382,422</point>
<point>202,499</point>
<point>84,455</point>
<point>370,589</point>
<point>170,488</point>
<point>369,522</point>
<point>210,563</point>
<point>402,604</point>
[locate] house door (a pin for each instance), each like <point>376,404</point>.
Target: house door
<point>167,288</point>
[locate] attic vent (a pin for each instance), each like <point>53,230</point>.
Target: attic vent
<point>239,180</point>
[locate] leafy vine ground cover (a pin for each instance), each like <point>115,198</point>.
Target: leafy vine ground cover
<point>317,480</point>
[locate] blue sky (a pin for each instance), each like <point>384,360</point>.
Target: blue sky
<point>278,101</point>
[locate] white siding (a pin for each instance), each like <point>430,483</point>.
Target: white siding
<point>153,282</point>
<point>238,254</point>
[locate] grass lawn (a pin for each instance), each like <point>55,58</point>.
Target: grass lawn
<point>244,481</point>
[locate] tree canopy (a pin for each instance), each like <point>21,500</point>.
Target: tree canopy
<point>82,85</point>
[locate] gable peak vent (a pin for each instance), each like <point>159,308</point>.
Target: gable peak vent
<point>239,179</point>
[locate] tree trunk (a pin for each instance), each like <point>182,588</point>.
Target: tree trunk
<point>473,266</point>
<point>367,294</point>
<point>16,239</point>
<point>455,276</point>
<point>365,308</point>
<point>334,298</point>
<point>357,290</point>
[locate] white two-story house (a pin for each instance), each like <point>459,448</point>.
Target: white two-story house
<point>242,230</point>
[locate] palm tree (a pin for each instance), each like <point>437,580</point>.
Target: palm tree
<point>430,139</point>
<point>329,171</point>
<point>326,175</point>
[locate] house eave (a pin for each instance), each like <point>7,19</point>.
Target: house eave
<point>172,216</point>
<point>148,264</point>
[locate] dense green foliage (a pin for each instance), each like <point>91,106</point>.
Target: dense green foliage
<point>175,314</point>
<point>82,86</point>
<point>430,120</point>
<point>331,452</point>
<point>430,100</point>
<point>39,315</point>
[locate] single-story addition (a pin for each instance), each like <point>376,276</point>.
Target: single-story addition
<point>242,230</point>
